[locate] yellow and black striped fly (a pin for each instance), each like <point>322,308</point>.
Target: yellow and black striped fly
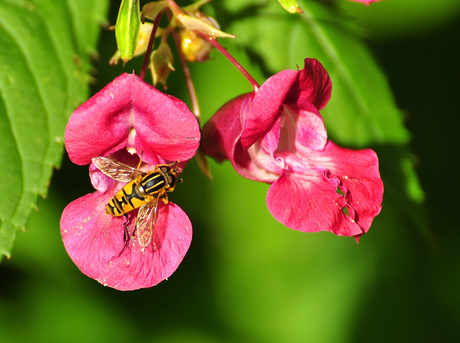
<point>143,191</point>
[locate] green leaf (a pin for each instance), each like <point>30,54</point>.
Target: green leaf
<point>362,110</point>
<point>44,60</point>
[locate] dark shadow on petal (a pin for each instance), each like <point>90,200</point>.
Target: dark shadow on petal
<point>160,228</point>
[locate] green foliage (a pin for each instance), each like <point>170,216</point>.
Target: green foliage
<point>44,60</point>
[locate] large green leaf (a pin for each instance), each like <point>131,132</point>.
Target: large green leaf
<point>44,60</point>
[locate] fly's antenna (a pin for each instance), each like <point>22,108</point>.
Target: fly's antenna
<point>140,160</point>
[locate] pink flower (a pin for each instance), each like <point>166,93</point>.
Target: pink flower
<point>277,135</point>
<point>127,117</point>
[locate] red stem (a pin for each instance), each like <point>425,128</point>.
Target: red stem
<point>188,78</point>
<point>254,84</point>
<point>156,23</point>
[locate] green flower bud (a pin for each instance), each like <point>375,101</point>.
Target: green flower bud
<point>161,64</point>
<point>127,28</point>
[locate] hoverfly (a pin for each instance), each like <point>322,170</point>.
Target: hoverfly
<point>143,191</point>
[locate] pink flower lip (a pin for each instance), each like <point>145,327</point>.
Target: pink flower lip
<point>95,242</point>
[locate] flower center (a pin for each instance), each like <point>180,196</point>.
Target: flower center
<point>131,139</point>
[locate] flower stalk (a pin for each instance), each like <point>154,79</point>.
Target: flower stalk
<point>188,80</point>
<point>255,86</point>
<point>145,64</point>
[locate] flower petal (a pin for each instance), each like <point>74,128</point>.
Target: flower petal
<point>260,116</point>
<point>310,204</point>
<point>262,154</point>
<point>303,127</point>
<point>360,179</point>
<point>337,190</point>
<point>222,131</point>
<point>313,84</point>
<point>95,242</point>
<point>130,113</point>
<point>221,136</point>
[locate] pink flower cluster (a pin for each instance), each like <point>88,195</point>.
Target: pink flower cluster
<point>274,135</point>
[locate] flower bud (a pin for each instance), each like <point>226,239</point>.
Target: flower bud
<point>127,28</point>
<point>161,64</point>
<point>194,48</point>
<point>143,37</point>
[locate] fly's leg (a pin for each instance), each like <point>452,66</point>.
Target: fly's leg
<point>126,235</point>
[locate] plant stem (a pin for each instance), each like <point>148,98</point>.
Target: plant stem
<point>156,23</point>
<point>188,78</point>
<point>254,84</point>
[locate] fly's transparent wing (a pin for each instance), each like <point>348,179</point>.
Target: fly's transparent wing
<point>145,222</point>
<point>116,170</point>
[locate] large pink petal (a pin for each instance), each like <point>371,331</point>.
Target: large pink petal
<point>337,190</point>
<point>130,112</point>
<point>358,171</point>
<point>95,241</point>
<point>313,84</point>
<point>259,118</point>
<point>310,204</point>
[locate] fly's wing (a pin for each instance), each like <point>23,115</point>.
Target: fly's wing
<point>116,170</point>
<point>145,222</point>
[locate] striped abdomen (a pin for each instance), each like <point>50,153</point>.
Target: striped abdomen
<point>134,194</point>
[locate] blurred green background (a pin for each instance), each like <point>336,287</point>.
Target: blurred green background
<point>247,278</point>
